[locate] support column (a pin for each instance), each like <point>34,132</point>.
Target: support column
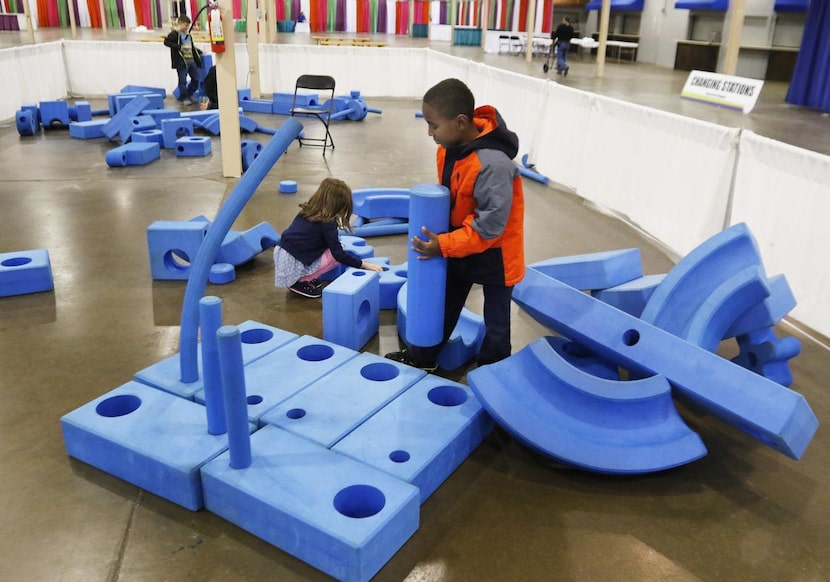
<point>231,143</point>
<point>604,18</point>
<point>731,45</point>
<point>252,26</point>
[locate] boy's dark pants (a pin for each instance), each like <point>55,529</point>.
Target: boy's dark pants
<point>195,73</point>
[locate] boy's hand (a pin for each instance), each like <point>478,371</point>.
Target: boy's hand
<point>428,248</point>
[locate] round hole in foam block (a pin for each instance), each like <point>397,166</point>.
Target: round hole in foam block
<point>222,273</point>
<point>288,187</point>
<point>359,501</point>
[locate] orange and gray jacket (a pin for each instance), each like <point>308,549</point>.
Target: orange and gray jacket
<point>486,204</point>
<point>174,42</point>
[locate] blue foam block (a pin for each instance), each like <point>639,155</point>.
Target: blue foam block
<point>87,129</point>
<point>330,408</point>
<point>256,105</point>
<point>82,111</point>
<point>173,246</point>
<point>133,154</point>
<point>26,121</point>
<point>773,414</point>
<point>174,129</point>
<point>764,353</point>
<point>54,113</point>
<point>250,150</point>
<point>632,296</point>
<point>243,94</point>
<point>597,424</point>
<point>423,435</point>
<point>193,146</point>
<point>151,439</point>
<point>351,308</point>
<point>121,123</point>
<point>240,247</point>
<point>282,102</point>
<point>222,274</point>
<point>25,272</point>
<point>258,339</point>
<point>594,270</point>
<point>159,115</point>
<point>288,187</point>
<point>391,280</point>
<point>297,364</point>
<point>34,109</point>
<point>382,227</point>
<point>340,516</point>
<point>143,123</point>
<point>210,124</point>
<point>150,135</point>
<point>120,100</point>
<point>143,89</point>
<point>767,313</point>
<point>246,124</point>
<point>383,206</point>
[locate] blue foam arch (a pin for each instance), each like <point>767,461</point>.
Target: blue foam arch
<point>382,206</point>
<point>597,424</point>
<point>225,218</point>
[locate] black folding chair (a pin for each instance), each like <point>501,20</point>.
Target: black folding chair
<point>322,111</point>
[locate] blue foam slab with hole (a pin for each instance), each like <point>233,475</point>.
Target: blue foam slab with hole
<point>767,313</point>
<point>594,270</point>
<point>133,154</point>
<point>243,94</point>
<point>143,123</point>
<point>241,247</point>
<point>280,374</point>
<point>25,272</point>
<point>766,411</point>
<point>54,113</point>
<point>596,424</point>
<point>581,357</point>
<point>330,408</point>
<point>87,129</point>
<point>631,296</point>
<point>120,124</point>
<point>423,435</point>
<point>150,135</point>
<point>149,438</point>
<point>193,146</point>
<point>172,246</point>
<point>258,339</point>
<point>26,121</point>
<point>340,516</point>
<point>351,308</point>
<point>173,129</point>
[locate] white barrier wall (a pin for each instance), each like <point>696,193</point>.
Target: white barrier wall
<point>669,175</point>
<point>783,194</point>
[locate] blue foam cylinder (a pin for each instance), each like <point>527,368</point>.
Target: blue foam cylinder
<point>429,206</point>
<point>229,342</point>
<point>225,218</point>
<point>210,318</point>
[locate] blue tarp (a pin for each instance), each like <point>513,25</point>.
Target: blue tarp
<point>719,5</point>
<point>791,5</point>
<point>810,85</point>
<point>617,5</point>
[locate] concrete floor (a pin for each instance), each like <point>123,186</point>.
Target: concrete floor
<point>744,512</point>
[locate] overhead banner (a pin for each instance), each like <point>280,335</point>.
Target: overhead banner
<point>725,90</point>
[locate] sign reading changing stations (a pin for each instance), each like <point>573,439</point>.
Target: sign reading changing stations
<point>724,90</point>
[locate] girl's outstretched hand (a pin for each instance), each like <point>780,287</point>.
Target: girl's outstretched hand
<point>371,267</point>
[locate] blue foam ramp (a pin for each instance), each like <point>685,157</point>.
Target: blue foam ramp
<point>151,439</point>
<point>423,435</point>
<point>87,129</point>
<point>133,154</point>
<point>767,313</point>
<point>764,353</point>
<point>360,387</point>
<point>334,513</point>
<point>285,371</point>
<point>351,308</point>
<point>241,247</point>
<point>258,340</point>
<point>596,424</point>
<point>121,123</point>
<point>25,272</point>
<point>594,270</point>
<point>769,412</point>
<point>631,296</point>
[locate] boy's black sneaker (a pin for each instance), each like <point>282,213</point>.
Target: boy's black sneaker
<point>306,289</point>
<point>403,357</point>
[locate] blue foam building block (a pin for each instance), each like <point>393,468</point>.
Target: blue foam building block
<point>143,123</point>
<point>391,280</point>
<point>632,296</point>
<point>241,247</point>
<point>26,121</point>
<point>258,339</point>
<point>87,129</point>
<point>210,124</point>
<point>243,94</point>
<point>172,247</point>
<point>381,227</point>
<point>54,113</point>
<point>766,411</point>
<point>173,129</point>
<point>288,187</point>
<point>767,313</point>
<point>121,123</point>
<point>764,353</point>
<point>597,424</point>
<point>246,124</point>
<point>297,364</point>
<point>594,270</point>
<point>250,150</point>
<point>159,115</point>
<point>351,308</point>
<point>120,100</point>
<point>222,274</point>
<point>338,515</point>
<point>255,106</point>
<point>423,435</point>
<point>382,206</point>
<point>133,154</point>
<point>150,135</point>
<point>282,102</point>
<point>25,272</point>
<point>193,146</point>
<point>81,111</point>
<point>34,108</point>
<point>151,439</point>
<point>160,91</point>
<point>360,387</point>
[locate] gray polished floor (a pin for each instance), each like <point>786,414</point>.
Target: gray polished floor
<point>744,512</point>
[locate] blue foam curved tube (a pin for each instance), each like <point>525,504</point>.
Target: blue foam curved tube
<point>600,425</point>
<point>527,173</point>
<point>229,342</point>
<point>429,206</point>
<point>225,218</point>
<point>210,316</point>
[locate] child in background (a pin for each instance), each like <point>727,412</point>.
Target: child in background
<point>310,246</point>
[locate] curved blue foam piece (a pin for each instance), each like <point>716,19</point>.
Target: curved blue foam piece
<point>687,286</point>
<point>241,247</point>
<point>570,415</point>
<point>764,353</point>
<point>581,357</point>
<point>763,409</point>
<point>594,270</point>
<point>526,163</point>
<point>427,280</point>
<point>391,281</point>
<point>631,296</point>
<point>536,176</point>
<point>225,218</point>
<point>382,206</point>
<point>382,228</point>
<point>772,310</point>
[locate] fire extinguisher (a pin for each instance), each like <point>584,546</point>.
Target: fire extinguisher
<point>217,34</point>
